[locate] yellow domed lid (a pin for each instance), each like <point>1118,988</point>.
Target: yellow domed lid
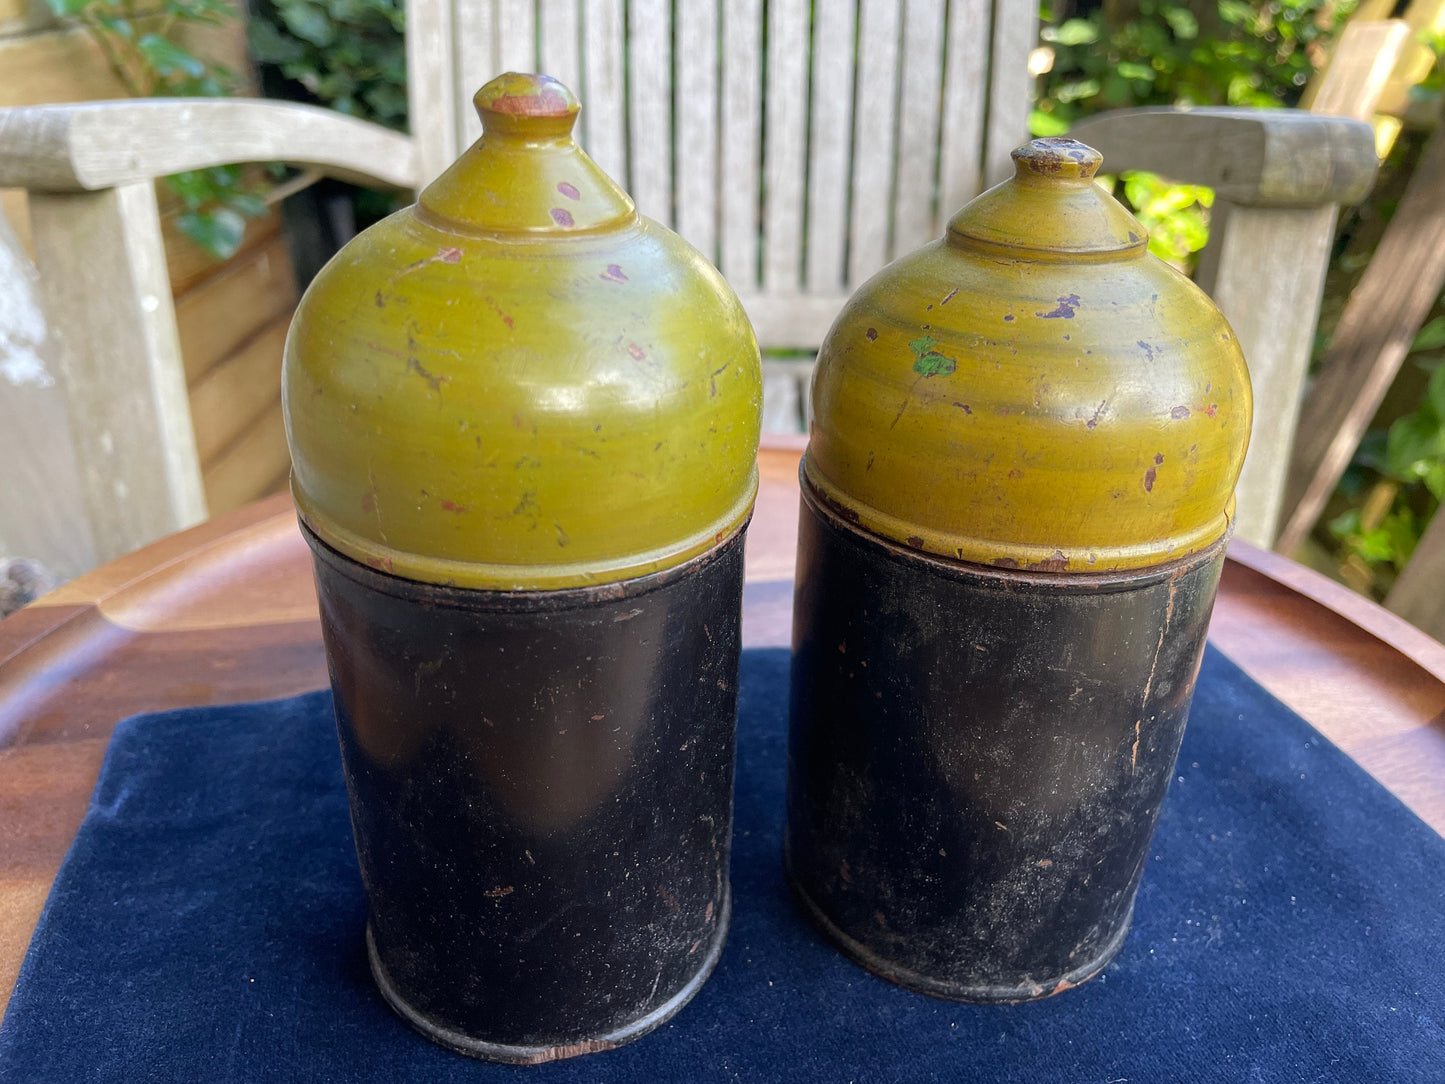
<point>520,383</point>
<point>1034,390</point>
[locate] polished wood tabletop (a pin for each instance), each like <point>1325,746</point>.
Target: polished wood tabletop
<point>226,612</point>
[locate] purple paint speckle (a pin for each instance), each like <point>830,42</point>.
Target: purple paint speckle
<point>561,217</point>
<point>1064,310</point>
<point>568,190</point>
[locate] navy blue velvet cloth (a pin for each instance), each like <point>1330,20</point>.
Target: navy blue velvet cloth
<point>207,926</point>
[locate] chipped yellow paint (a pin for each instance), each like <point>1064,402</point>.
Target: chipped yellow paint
<point>520,383</point>
<point>1034,390</point>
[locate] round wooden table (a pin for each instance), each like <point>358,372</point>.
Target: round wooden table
<point>226,612</point>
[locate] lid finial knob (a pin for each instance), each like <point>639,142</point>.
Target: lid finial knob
<point>1056,157</point>
<point>527,105</point>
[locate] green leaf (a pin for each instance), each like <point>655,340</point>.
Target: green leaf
<point>1182,22</point>
<point>168,58</point>
<point>309,23</point>
<point>224,176</point>
<point>1043,124</point>
<point>1131,70</point>
<point>1235,11</point>
<point>193,188</point>
<point>1404,534</point>
<point>1435,393</point>
<point>67,9</point>
<point>270,46</point>
<point>1431,336</point>
<point>121,28</point>
<point>386,101</point>
<point>1079,88</point>
<point>1434,480</point>
<point>218,232</point>
<point>1345,524</point>
<point>1374,546</point>
<point>245,203</point>
<point>1073,32</point>
<point>1413,442</point>
<point>205,11</point>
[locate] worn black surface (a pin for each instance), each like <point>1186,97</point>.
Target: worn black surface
<point>541,793</point>
<point>977,757</point>
<point>207,926</point>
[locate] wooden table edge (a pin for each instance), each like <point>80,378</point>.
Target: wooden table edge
<point>1390,629</point>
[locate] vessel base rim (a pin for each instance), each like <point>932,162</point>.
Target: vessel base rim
<point>948,989</point>
<point>518,1054</point>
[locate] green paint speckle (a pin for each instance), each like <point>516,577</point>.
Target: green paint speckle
<point>929,362</point>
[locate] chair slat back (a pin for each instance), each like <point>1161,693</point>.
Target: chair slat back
<point>799,145</point>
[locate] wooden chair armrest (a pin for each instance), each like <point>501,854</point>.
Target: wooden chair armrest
<point>1250,157</point>
<point>1279,176</point>
<point>99,145</point>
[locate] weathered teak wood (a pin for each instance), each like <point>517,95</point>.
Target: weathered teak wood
<point>1266,271</point>
<point>431,76</point>
<point>1419,594</point>
<point>1250,157</point>
<point>829,152</point>
<point>695,103</point>
<point>107,297</point>
<point>963,113</point>
<point>1279,183</point>
<point>604,82</point>
<point>1279,178</point>
<point>799,146</point>
<point>741,143</point>
<point>256,462</point>
<point>650,130</point>
<point>1361,69</point>
<point>96,145</point>
<point>786,137</point>
<point>217,318</point>
<point>41,507</point>
<point>1010,88</point>
<point>229,396</point>
<point>1379,321</point>
<point>113,342</point>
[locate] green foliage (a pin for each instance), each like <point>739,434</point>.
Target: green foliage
<point>1433,85</point>
<point>1167,52</point>
<point>1176,215</point>
<point>346,54</point>
<point>1415,444</point>
<point>1162,52</point>
<point>1396,481</point>
<point>1395,484</point>
<point>149,58</point>
<point>1260,53</point>
<point>1389,541</point>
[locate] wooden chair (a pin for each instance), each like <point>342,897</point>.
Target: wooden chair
<point>756,155</point>
<point>799,146</point>
<point>1280,177</point>
<point>1304,443</point>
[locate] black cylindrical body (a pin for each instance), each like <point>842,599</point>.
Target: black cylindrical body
<point>977,756</point>
<point>541,792</point>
